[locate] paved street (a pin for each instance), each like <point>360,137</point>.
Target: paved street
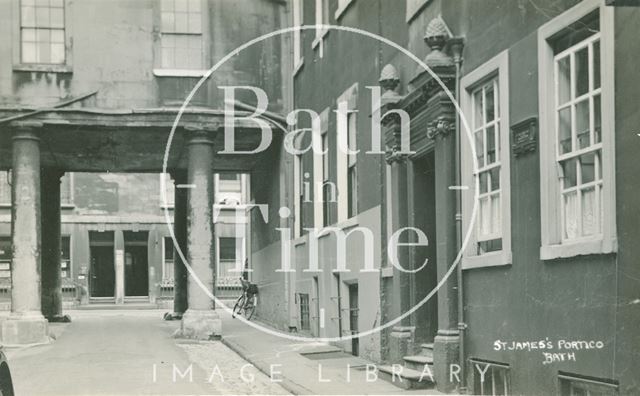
<point>114,352</point>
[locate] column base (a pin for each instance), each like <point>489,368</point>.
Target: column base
<point>59,319</point>
<point>200,325</point>
<point>20,330</point>
<point>401,342</point>
<point>446,346</point>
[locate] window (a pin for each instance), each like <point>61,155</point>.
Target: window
<point>304,311</point>
<point>5,189</point>
<point>352,172</point>
<point>5,257</point>
<point>230,254</point>
<point>495,380</point>
<point>298,20</point>
<point>167,185</point>
<point>485,105</point>
<point>65,256</point>
<point>347,176</point>
<point>66,190</point>
<point>575,386</point>
<point>298,170</point>
<point>42,35</point>
<point>322,18</point>
<point>181,38</point>
<point>576,158</point>
<point>229,188</point>
<point>167,260</point>
<point>324,190</point>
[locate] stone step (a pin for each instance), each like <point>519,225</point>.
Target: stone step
<point>405,377</point>
<point>426,349</point>
<point>417,362</point>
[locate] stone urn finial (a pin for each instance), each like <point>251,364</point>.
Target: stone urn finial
<point>436,37</point>
<point>389,79</point>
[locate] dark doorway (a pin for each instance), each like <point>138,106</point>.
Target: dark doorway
<point>422,206</point>
<point>353,318</point>
<point>136,264</point>
<point>102,271</point>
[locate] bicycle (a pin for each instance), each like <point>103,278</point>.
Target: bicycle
<point>247,302</point>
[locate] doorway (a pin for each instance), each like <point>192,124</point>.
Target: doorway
<point>353,318</point>
<point>136,264</point>
<point>102,270</point>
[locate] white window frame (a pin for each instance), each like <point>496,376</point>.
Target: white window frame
<point>160,70</point>
<point>342,7</point>
<point>321,18</point>
<point>552,245</point>
<point>165,182</point>
<point>496,68</point>
<point>318,171</point>
<point>342,158</point>
<point>298,20</point>
<point>240,247</point>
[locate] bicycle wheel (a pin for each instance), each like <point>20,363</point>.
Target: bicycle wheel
<point>238,307</point>
<point>251,307</point>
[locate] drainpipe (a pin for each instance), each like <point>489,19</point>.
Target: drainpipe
<point>456,45</point>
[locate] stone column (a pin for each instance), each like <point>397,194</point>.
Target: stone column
<point>200,320</point>
<point>447,340</point>
<point>402,335</point>
<point>25,324</point>
<point>51,246</point>
<point>180,273</point>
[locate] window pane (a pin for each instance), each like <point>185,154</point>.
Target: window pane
<point>596,65</point>
<point>194,5</point>
<point>168,22</point>
<point>582,123</point>
<point>57,17</point>
<point>57,36</point>
<point>480,148</point>
<point>597,120</point>
<point>491,145</point>
<point>28,16</point>
<point>181,5</point>
<point>564,130</point>
<point>564,80</point>
<point>167,5</point>
<point>28,35</point>
<point>570,215</point>
<point>57,53</point>
<point>181,23</point>
<point>484,182</point>
<point>489,106</point>
<point>582,71</point>
<point>569,173</point>
<point>495,178</point>
<point>195,23</point>
<point>588,167</point>
<point>44,52</point>
<point>29,53</point>
<point>495,211</point>
<point>589,212</point>
<point>167,58</point>
<point>44,35</point>
<point>485,216</point>
<point>478,121</point>
<point>42,17</point>
<point>227,248</point>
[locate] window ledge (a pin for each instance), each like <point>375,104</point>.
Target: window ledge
<point>43,68</point>
<point>68,206</point>
<point>5,205</point>
<point>179,72</point>
<point>493,259</point>
<point>581,248</point>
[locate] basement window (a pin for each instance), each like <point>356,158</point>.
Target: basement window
<point>573,385</point>
<point>490,378</point>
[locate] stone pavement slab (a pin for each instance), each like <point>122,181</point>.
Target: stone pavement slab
<point>328,372</point>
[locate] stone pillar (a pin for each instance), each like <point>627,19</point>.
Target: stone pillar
<point>51,246</point>
<point>201,320</point>
<point>180,273</point>
<point>447,340</point>
<point>25,324</point>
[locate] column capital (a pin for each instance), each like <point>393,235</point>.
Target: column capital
<point>26,132</point>
<point>199,137</point>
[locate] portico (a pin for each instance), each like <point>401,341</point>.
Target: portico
<point>40,148</point>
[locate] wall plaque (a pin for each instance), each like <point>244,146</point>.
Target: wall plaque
<point>524,136</point>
